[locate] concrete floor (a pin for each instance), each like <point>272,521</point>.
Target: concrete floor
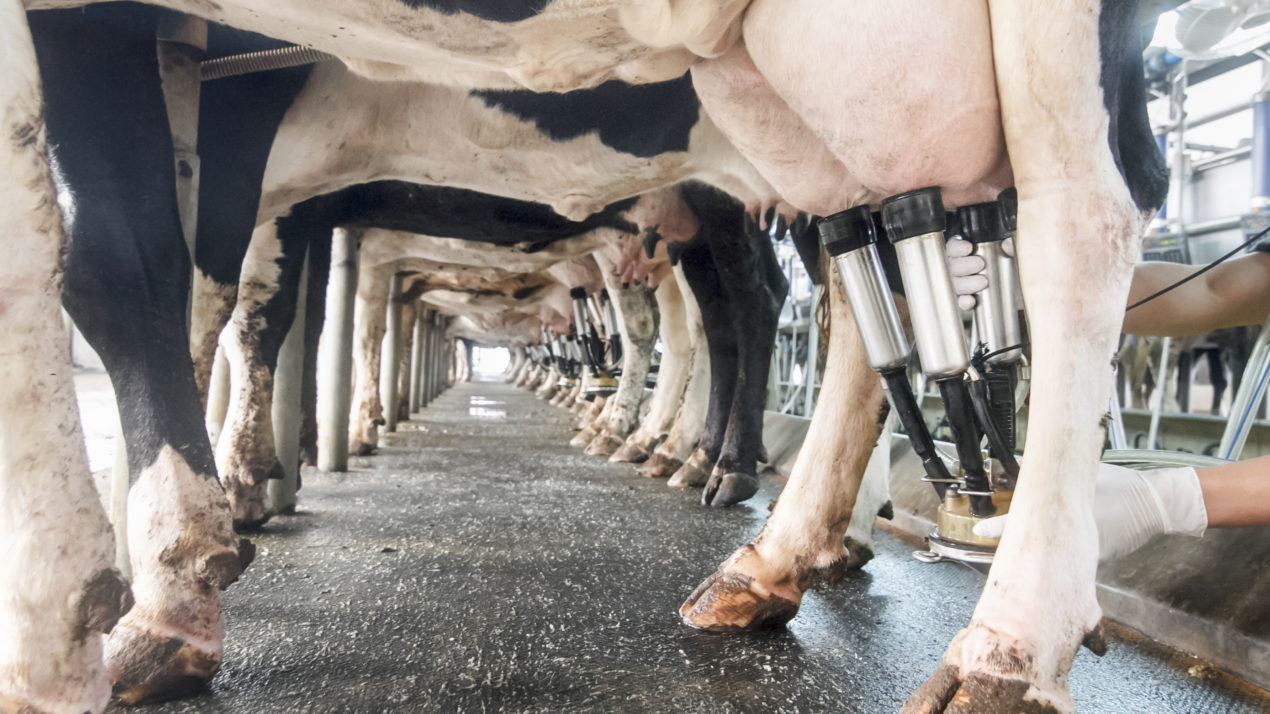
<point>477,563</point>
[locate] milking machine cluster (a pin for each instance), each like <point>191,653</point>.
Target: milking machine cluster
<point>602,356</point>
<point>978,385</point>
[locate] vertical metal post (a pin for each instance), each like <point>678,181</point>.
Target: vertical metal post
<point>416,361</point>
<point>288,378</point>
<point>1115,430</point>
<point>390,356</point>
<point>335,375</point>
<point>425,384</point>
<point>1177,167</point>
<point>1160,388</point>
<point>1260,199</point>
<point>217,397</point>
<point>1247,401</point>
<point>813,355</point>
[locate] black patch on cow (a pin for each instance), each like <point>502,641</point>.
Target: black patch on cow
<point>238,119</point>
<point>457,213</point>
<point>642,120</point>
<point>492,10</point>
<point>1132,143</point>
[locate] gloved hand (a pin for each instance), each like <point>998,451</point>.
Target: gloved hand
<point>967,269</point>
<point>1131,507</point>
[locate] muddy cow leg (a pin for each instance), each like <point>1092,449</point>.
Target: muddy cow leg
<point>672,377</point>
<point>755,289</point>
<point>246,454</point>
<point>370,319</point>
<point>762,584</point>
<point>60,589</point>
<point>1078,138</point>
<point>238,119</point>
<point>127,281</point>
<point>703,278</point>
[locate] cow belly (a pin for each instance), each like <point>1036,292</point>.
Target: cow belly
<point>902,92</point>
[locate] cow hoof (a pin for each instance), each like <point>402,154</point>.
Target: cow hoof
<point>660,465</point>
<point>728,489</point>
<point>949,693</point>
<point>694,473</point>
<point>248,505</point>
<point>150,666</point>
<point>632,452</point>
<point>735,597</point>
<point>603,444</point>
<point>358,447</point>
<point>583,438</point>
<point>857,554</point>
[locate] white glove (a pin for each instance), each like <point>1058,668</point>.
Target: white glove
<point>967,269</point>
<point>1131,507</point>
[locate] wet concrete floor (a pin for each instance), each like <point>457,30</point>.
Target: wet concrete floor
<point>478,563</point>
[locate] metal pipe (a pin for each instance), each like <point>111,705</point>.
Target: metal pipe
<point>287,381</point>
<point>336,374</point>
<point>1211,117</point>
<point>1260,200</point>
<point>1115,429</point>
<point>1247,401</point>
<point>1161,379</point>
<point>1225,157</point>
<point>1215,225</point>
<point>416,359</point>
<point>263,61</point>
<point>390,356</point>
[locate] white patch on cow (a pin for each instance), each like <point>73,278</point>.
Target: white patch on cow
<point>56,535</point>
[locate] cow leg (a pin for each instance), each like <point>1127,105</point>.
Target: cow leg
<point>60,590</point>
<point>1078,224</point>
<point>762,584</point>
<point>238,119</point>
<point>637,316</point>
<point>756,288</point>
<point>699,269</point>
<point>127,282</point>
<point>370,318</point>
<point>671,378</point>
<point>690,419</point>
<point>245,452</point>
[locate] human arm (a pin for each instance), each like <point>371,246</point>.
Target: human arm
<point>1234,293</point>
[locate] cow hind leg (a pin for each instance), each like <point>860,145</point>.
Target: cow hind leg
<point>762,584</point>
<point>245,452</point>
<point>126,287</point>
<point>756,289</point>
<point>1078,224</point>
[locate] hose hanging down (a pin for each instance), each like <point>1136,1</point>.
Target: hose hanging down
<point>262,61</point>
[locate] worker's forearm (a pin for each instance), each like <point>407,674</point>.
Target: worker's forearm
<point>1237,494</point>
<point>1177,312</point>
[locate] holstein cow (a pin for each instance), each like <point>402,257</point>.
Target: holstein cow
<point>1084,165</point>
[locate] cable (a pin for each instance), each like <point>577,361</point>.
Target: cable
<point>1199,272</point>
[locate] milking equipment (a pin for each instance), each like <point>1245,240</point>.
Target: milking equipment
<point>978,393</point>
<point>598,380</point>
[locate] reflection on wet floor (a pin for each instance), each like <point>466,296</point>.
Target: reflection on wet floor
<point>478,408</point>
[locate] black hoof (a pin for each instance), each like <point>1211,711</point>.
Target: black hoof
<point>728,489</point>
<point>252,525</point>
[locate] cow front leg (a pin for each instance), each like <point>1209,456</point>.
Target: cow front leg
<point>60,589</point>
<point>762,584</point>
<point>720,344</point>
<point>1077,231</point>
<point>672,377</point>
<point>756,289</point>
<point>246,455</point>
